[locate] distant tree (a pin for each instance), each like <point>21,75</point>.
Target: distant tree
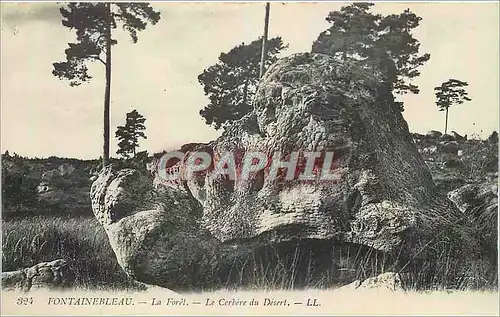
<point>383,42</point>
<point>129,134</point>
<point>493,138</point>
<point>231,83</point>
<point>450,93</point>
<point>94,23</point>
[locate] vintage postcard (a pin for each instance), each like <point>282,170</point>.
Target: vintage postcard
<point>249,158</point>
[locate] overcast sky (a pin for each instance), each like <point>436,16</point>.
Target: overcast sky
<point>43,116</point>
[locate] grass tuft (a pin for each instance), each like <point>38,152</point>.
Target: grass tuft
<point>81,240</point>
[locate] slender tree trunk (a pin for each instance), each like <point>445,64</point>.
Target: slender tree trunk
<point>107,92</point>
<point>264,41</point>
<point>446,121</point>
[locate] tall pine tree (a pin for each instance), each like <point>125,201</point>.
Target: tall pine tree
<point>385,43</point>
<point>231,83</point>
<point>94,23</point>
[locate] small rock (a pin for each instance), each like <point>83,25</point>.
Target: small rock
<point>389,281</point>
<point>428,150</point>
<point>43,187</point>
<point>475,195</point>
<point>457,136</point>
<point>450,147</point>
<point>452,163</point>
<point>447,137</point>
<point>66,169</point>
<point>434,134</point>
<point>353,285</point>
<point>44,275</point>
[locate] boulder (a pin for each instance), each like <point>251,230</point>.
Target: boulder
<point>434,134</point>
<point>479,203</point>
<point>450,147</point>
<point>64,188</point>
<point>63,170</point>
<point>452,162</point>
<point>458,137</point>
<point>493,138</point>
<point>484,196</point>
<point>385,281</point>
<point>431,150</point>
<point>45,275</point>
<point>66,169</point>
<point>211,229</point>
<point>447,138</point>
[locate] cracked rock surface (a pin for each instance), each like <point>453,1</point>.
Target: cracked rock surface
<point>44,275</point>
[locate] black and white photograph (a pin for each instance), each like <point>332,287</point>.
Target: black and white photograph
<point>249,158</point>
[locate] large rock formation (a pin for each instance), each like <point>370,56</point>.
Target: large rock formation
<point>479,204</point>
<point>210,230</point>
